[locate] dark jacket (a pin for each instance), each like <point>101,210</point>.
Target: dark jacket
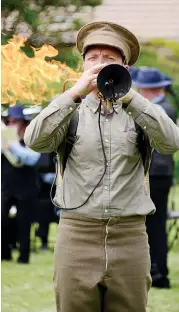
<point>19,183</point>
<point>162,165</point>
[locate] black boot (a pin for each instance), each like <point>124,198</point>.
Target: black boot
<point>162,282</point>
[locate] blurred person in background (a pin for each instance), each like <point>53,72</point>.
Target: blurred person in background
<point>133,71</point>
<point>46,214</point>
<point>152,85</point>
<point>18,185</point>
<point>172,94</point>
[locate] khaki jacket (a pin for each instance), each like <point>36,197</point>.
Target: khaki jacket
<point>122,191</point>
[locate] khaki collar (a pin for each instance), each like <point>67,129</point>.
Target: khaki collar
<point>93,104</point>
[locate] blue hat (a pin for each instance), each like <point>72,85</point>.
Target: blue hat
<point>169,79</point>
<point>133,72</point>
<point>150,78</point>
<point>16,112</point>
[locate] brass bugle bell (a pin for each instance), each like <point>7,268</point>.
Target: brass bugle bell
<point>67,81</point>
<point>114,81</point>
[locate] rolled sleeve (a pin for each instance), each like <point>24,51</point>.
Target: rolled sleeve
<point>161,130</point>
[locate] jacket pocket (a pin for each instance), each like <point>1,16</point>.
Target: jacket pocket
<point>128,143</point>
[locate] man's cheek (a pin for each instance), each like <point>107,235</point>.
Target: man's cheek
<point>87,65</point>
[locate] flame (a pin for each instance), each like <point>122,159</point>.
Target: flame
<point>31,80</point>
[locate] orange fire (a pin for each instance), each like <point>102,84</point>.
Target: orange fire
<point>31,80</point>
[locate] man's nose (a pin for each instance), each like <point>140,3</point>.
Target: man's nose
<point>101,60</point>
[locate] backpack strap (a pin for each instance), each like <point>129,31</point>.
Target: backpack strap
<point>70,137</point>
<point>144,147</point>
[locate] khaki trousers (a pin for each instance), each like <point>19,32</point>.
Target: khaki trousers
<point>101,265</point>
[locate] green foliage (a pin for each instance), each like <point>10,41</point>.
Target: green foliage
<point>28,51</point>
<point>11,5</point>
<point>149,57</point>
<point>77,3</point>
<point>10,92</point>
<point>176,168</point>
<point>5,39</point>
<point>70,56</point>
<point>30,16</point>
<point>172,45</point>
<point>78,23</point>
<point>91,3</point>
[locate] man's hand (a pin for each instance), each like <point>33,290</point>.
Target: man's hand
<point>87,82</point>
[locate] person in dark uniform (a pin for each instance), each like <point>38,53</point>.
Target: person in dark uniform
<point>19,186</point>
<point>171,93</point>
<point>46,213</point>
<point>152,84</point>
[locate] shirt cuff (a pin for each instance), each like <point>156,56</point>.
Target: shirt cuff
<point>137,106</point>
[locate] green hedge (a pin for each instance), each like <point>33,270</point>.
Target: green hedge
<point>149,57</point>
<point>171,45</point>
<point>176,168</point>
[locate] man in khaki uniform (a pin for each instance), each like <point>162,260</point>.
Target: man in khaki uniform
<point>101,255</point>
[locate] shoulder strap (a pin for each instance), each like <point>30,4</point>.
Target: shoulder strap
<point>70,137</point>
<point>144,147</point>
<point>66,149</point>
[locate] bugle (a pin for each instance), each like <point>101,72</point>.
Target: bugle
<point>67,81</point>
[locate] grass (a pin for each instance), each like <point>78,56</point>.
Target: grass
<point>29,288</point>
<point>167,300</point>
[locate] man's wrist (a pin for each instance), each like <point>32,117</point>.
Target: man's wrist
<point>75,95</point>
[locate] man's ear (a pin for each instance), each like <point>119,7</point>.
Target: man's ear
<point>126,66</point>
